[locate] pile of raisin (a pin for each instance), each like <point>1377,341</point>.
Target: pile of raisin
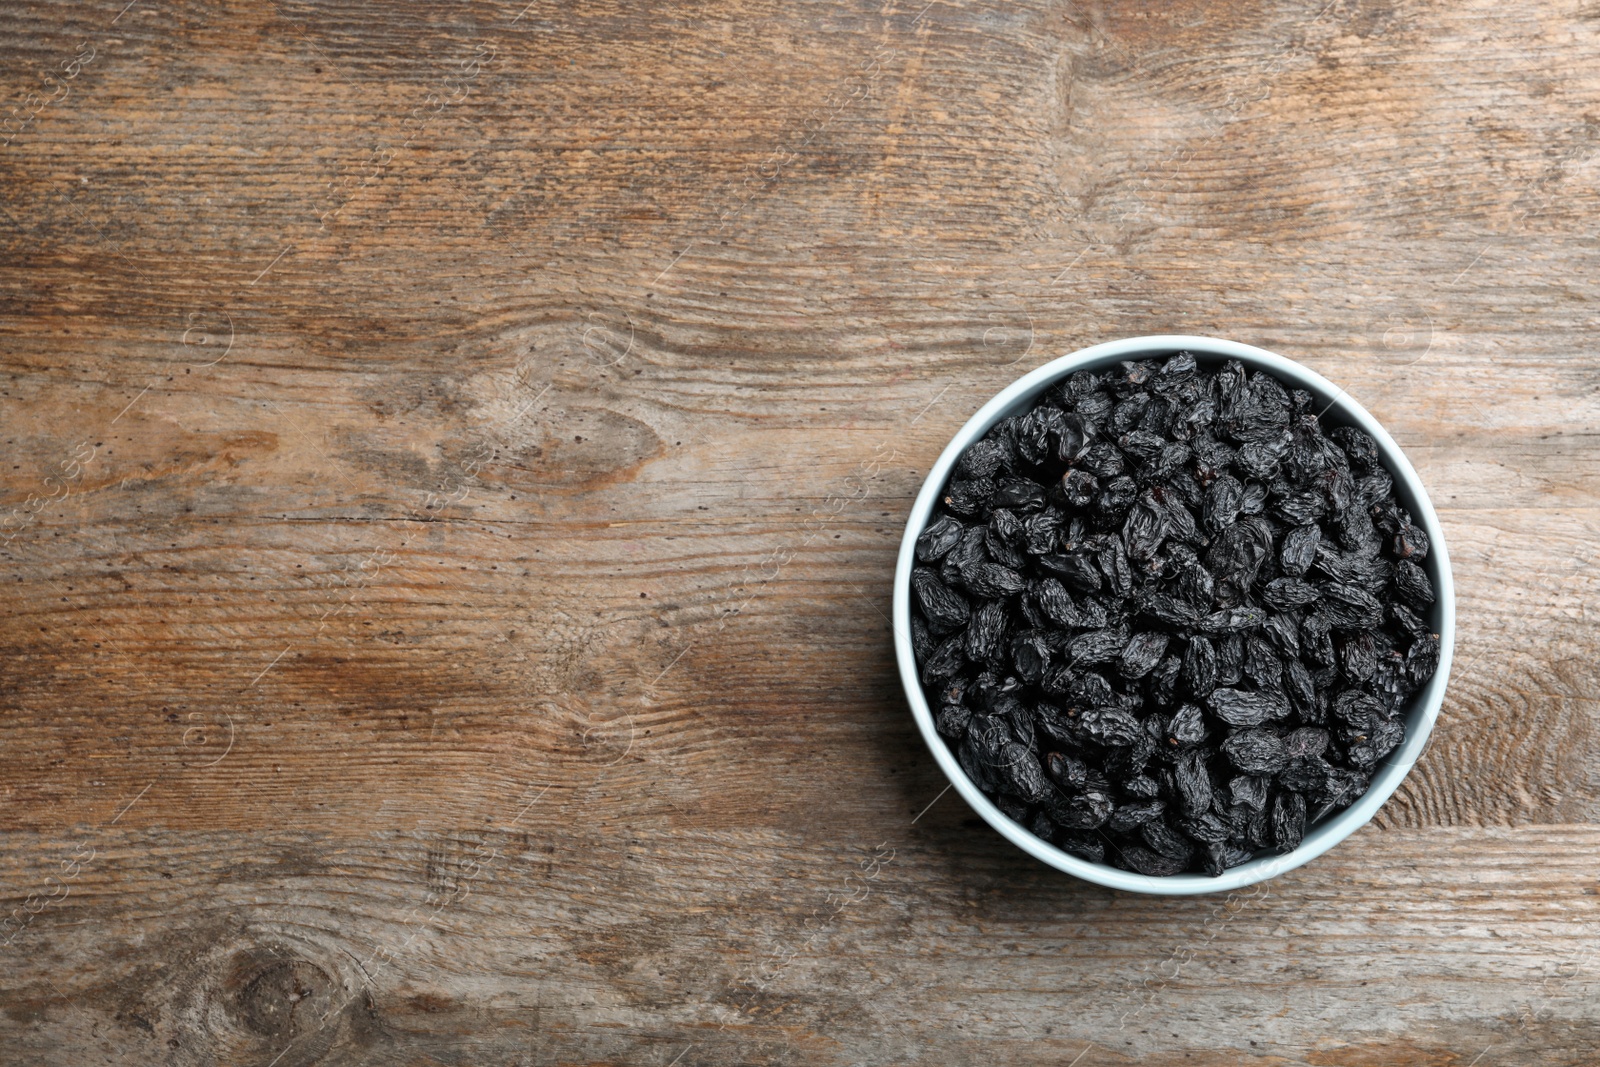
<point>1166,621</point>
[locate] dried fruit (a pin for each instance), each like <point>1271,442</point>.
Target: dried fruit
<point>1256,751</point>
<point>1288,820</point>
<point>1299,550</point>
<point>938,539</point>
<point>943,609</point>
<point>1200,666</point>
<point>1249,790</point>
<point>1168,619</point>
<point>1141,654</point>
<point>1194,782</point>
<point>1412,583</point>
<point>1239,708</point>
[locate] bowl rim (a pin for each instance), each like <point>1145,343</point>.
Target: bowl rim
<point>1420,719</point>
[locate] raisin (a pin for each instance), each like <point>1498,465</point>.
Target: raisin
<point>1412,583</point>
<point>1144,861</point>
<point>1177,615</point>
<point>1091,847</point>
<point>1135,813</point>
<point>1233,620</point>
<point>993,581</point>
<point>1236,557</point>
<point>1142,445</point>
<point>968,497</point>
<point>1030,656</point>
<point>1141,654</point>
<point>1115,498</point>
<point>1092,690</point>
<point>1383,739</point>
<point>1146,527</point>
<point>1194,782</point>
<point>1078,569</point>
<point>1096,646</point>
<point>1057,604</point>
<point>1163,839</point>
<point>1103,460</point>
<point>1299,687</point>
<point>1163,684</point>
<point>1288,820</point>
<point>938,539</point>
<point>1116,568</point>
<point>1142,786</point>
<point>1349,607</point>
<point>1301,509</point>
<point>1083,812</point>
<point>1410,543</point>
<point>1079,488</point>
<point>982,460</point>
<point>1109,726</point>
<point>1262,665</point>
<point>946,660</point>
<point>922,640</point>
<point>1422,659</point>
<point>1230,659</point>
<point>1358,658</point>
<point>1239,708</point>
<point>1286,594</point>
<point>1205,828</point>
<point>1187,728</point>
<point>1306,741</point>
<point>967,553</point>
<point>1256,751</point>
<point>1299,550</point>
<point>1018,494</point>
<point>1356,533</point>
<point>1357,445</point>
<point>944,610</point>
<point>1407,620</point>
<point>1022,772</point>
<point>952,720</point>
<point>1360,709</point>
<point>985,637</point>
<point>1068,772</point>
<point>1283,630</point>
<point>1200,667</point>
<point>1223,499</point>
<point>1249,790</point>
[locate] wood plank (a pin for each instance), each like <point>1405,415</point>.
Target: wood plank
<point>552,941</point>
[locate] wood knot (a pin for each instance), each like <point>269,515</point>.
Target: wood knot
<point>287,999</point>
<point>275,1005</point>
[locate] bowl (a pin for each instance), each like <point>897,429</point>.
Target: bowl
<point>1341,410</point>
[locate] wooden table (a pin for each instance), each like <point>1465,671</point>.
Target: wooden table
<point>457,457</point>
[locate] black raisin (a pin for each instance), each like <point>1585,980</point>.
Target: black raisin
<point>1412,583</point>
<point>1249,790</point>
<point>938,539</point>
<point>1200,667</point>
<point>1239,708</point>
<point>1194,782</point>
<point>1141,654</point>
<point>1411,543</point>
<point>1223,500</point>
<point>945,610</point>
<point>1256,751</point>
<point>1299,550</point>
<point>1288,820</point>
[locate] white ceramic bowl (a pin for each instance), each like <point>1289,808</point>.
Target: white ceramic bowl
<point>1018,397</point>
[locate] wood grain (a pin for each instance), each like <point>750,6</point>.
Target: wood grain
<point>456,458</point>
